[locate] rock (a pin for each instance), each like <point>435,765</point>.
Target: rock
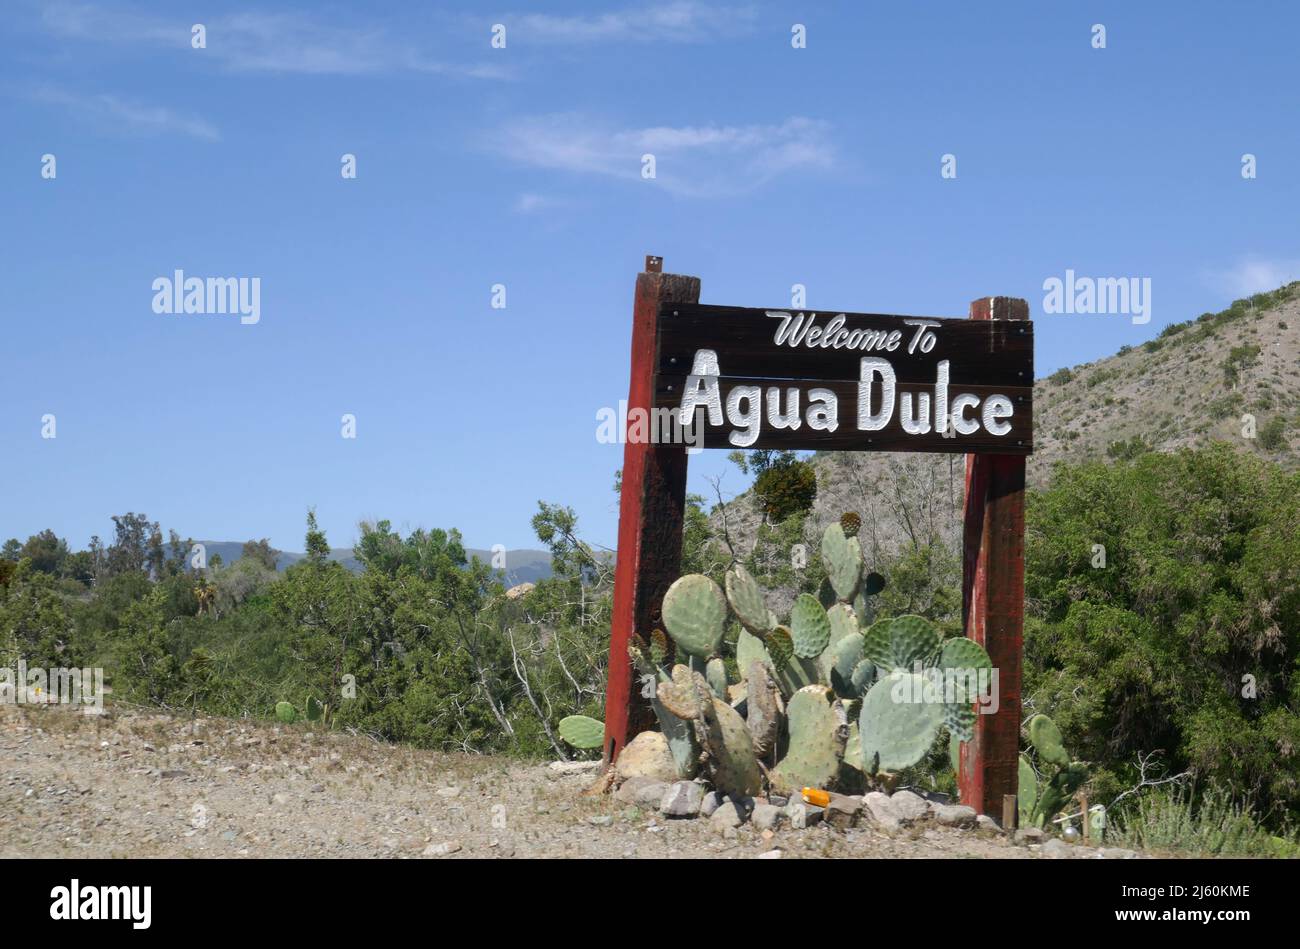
<point>767,817</point>
<point>642,792</point>
<point>520,589</point>
<point>843,811</point>
<point>712,801</point>
<point>803,815</point>
<point>574,767</point>
<point>780,800</point>
<point>447,792</point>
<point>175,773</point>
<point>682,799</point>
<point>1056,848</point>
<point>602,820</point>
<point>880,806</point>
<point>728,815</point>
<point>986,823</point>
<point>770,855</point>
<point>647,756</point>
<point>1029,835</point>
<point>910,806</point>
<point>1116,853</point>
<point>955,815</point>
<point>744,805</point>
<point>279,798</point>
<point>441,850</point>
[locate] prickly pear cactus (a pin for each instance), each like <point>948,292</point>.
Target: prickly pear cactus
<point>897,725</point>
<point>286,712</point>
<point>695,613</point>
<point>780,646</point>
<point>901,642</point>
<point>684,693</point>
<point>1047,741</point>
<point>715,673</point>
<point>819,731</point>
<point>730,763</point>
<point>315,710</point>
<point>580,731</point>
<point>750,649</point>
<point>764,711</point>
<point>746,601</point>
<point>842,558</point>
<point>1027,792</point>
<point>810,628</point>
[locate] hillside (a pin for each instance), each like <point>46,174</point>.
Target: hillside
<point>1189,386</point>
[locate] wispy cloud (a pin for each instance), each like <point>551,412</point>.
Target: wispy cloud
<point>529,203</point>
<point>684,21</point>
<point>261,42</point>
<point>702,161</point>
<point>1252,275</point>
<point>125,115</point>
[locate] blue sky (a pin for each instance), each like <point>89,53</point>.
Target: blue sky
<point>521,166</point>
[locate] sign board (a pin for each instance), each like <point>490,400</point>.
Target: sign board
<point>789,379</point>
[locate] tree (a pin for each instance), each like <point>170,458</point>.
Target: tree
<point>262,552</point>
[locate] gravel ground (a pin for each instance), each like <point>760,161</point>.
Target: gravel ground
<point>149,785</point>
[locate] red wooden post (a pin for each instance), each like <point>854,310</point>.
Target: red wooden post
<point>651,506</point>
<point>993,600</point>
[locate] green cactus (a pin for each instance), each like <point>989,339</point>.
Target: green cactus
<point>902,712</point>
<point>810,627</point>
<point>715,673</point>
<point>746,601</point>
<point>730,764</point>
<point>901,642</point>
<point>780,646</point>
<point>1046,739</point>
<point>286,713</point>
<point>897,726</point>
<point>1063,776</point>
<point>315,710</point>
<point>817,664</point>
<point>842,558</point>
<point>818,732</point>
<point>695,613</point>
<point>750,649</point>
<point>583,732</point>
<point>1027,792</point>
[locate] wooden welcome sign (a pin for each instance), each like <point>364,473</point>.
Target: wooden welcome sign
<point>847,381</point>
<point>777,378</point>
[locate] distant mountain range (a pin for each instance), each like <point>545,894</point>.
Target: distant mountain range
<point>521,566</point>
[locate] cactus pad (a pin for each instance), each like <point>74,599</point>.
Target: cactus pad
<point>780,646</point>
<point>582,732</point>
<point>818,734</point>
<point>896,728</point>
<point>842,558</point>
<point>746,601</point>
<point>749,649</point>
<point>715,673</point>
<point>683,694</point>
<point>729,750</point>
<point>286,713</point>
<point>695,612</point>
<point>846,657</point>
<point>1046,739</point>
<point>900,642</point>
<point>763,709</point>
<point>660,648</point>
<point>810,628</point>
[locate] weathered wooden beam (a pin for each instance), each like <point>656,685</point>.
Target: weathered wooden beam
<point>993,600</point>
<point>651,507</point>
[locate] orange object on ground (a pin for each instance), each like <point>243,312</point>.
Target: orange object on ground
<point>816,797</point>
